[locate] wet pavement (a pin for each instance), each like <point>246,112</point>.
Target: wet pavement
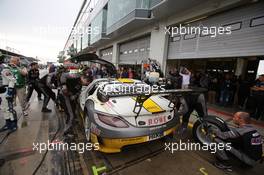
<point>148,158</point>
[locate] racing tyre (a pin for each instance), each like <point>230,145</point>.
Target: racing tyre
<point>87,128</point>
<point>200,131</point>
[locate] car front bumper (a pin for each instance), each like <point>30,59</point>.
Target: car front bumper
<point>114,145</point>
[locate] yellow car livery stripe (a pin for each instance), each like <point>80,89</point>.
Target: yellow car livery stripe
<point>125,80</point>
<point>151,106</point>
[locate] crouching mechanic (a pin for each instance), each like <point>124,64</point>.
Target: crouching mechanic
<point>72,82</point>
<point>246,143</point>
<point>8,87</point>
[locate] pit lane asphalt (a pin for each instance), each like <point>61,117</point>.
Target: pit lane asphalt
<point>148,159</point>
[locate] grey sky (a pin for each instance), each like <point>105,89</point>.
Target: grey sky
<point>37,27</point>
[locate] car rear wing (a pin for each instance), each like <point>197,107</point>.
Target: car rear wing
<point>141,97</point>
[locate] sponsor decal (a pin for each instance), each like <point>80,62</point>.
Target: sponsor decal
<point>157,120</point>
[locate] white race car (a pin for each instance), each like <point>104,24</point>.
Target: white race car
<point>122,112</point>
<point>115,122</point>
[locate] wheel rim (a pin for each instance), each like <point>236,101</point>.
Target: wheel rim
<point>203,136</point>
<point>87,128</point>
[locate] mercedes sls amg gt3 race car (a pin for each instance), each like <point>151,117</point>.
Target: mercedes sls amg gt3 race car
<point>118,113</point>
<point>117,122</point>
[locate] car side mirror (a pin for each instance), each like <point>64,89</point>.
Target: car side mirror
<point>102,96</point>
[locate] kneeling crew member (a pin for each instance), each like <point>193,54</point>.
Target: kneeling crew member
<point>245,140</point>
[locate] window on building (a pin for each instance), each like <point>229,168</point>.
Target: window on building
<point>234,26</point>
<point>258,21</point>
<point>189,36</point>
<point>176,38</point>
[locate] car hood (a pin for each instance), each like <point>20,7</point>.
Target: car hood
<point>124,106</point>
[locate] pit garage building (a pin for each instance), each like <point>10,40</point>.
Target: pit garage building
<point>132,31</point>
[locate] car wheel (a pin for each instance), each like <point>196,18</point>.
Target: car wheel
<point>87,128</point>
<point>200,133</point>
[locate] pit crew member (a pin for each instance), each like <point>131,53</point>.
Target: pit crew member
<point>245,139</point>
<point>33,78</point>
<point>46,84</point>
<point>71,82</point>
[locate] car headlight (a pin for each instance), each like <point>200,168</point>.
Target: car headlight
<point>112,121</point>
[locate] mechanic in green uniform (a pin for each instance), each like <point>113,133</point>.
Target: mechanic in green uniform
<point>20,75</point>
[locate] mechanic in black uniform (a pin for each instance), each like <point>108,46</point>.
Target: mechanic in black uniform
<point>46,84</point>
<point>60,99</point>
<point>189,103</point>
<point>33,78</point>
<point>72,82</point>
<point>245,139</point>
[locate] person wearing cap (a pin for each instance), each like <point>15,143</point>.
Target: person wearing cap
<point>258,94</point>
<point>33,78</point>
